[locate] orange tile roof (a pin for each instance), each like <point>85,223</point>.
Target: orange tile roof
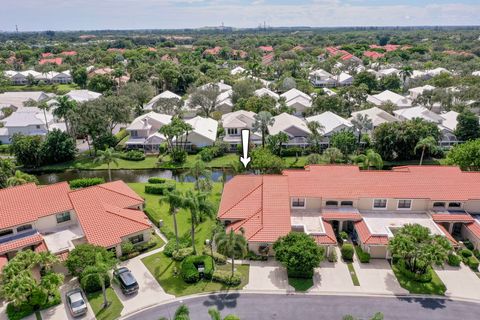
<point>266,48</point>
<point>445,217</point>
<point>447,234</point>
<point>328,237</point>
<point>57,61</point>
<point>213,51</point>
<point>47,54</point>
<point>409,182</point>
<point>41,247</point>
<point>367,237</point>
<point>68,53</point>
<point>3,261</point>
<point>336,215</point>
<point>474,227</point>
<point>21,243</point>
<point>28,202</point>
<point>373,54</point>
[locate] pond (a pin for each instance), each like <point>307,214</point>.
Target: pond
<point>125,175</point>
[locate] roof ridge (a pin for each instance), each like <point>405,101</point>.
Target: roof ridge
<point>105,205</point>
<point>243,198</point>
<point>123,194</point>
<point>248,219</point>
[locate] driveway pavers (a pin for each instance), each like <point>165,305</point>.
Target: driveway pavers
<point>377,277</point>
<point>460,281</point>
<point>267,275</point>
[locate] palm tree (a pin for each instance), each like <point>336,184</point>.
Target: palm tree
<point>200,207</point>
<point>20,178</point>
<point>332,155</point>
<point>175,201</point>
<point>231,244</point>
<point>198,170</point>
<point>263,120</point>
<point>64,107</point>
<point>405,73</point>
<point>370,159</point>
<point>426,143</point>
<point>107,157</point>
<point>316,135</point>
<point>100,271</point>
<point>42,105</point>
<point>362,123</point>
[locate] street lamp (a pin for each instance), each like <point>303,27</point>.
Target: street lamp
<point>210,243</point>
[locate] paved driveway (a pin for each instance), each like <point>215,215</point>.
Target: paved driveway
<point>460,281</point>
<point>377,277</point>
<point>61,312</point>
<point>267,275</point>
<point>150,292</point>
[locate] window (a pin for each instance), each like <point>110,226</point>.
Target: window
<point>347,203</point>
<point>63,217</point>
<point>298,203</point>
<point>380,203</point>
<point>37,126</point>
<point>136,239</point>
<point>439,204</point>
<point>232,131</point>
<point>24,227</point>
<point>134,133</point>
<point>6,232</point>
<point>331,203</point>
<point>454,204</point>
<point>404,204</point>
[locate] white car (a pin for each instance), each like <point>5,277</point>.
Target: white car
<point>76,302</point>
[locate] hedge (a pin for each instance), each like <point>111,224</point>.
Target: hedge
<point>159,189</point>
<point>133,155</point>
<point>466,253</point>
<point>181,254</point>
<point>332,257</point>
<point>24,310</point>
<point>172,244</point>
<point>85,182</point>
<point>426,277</point>
<point>4,148</point>
<point>454,260</point>
<point>473,263</point>
<point>92,284</point>
<point>157,180</point>
<point>120,135</point>
<point>219,258</point>
<point>189,271</point>
<point>226,278</point>
<point>151,216</point>
<point>363,256</point>
<point>347,251</point>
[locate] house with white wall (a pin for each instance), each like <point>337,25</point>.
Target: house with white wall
<point>234,122</point>
<point>297,100</point>
<point>144,132</point>
<point>296,129</point>
<point>330,123</point>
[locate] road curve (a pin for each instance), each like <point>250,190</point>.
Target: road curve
<point>251,306</point>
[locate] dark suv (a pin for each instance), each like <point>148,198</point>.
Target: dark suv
<point>127,281</point>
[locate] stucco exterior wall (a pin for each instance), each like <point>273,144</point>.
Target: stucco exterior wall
<point>50,222</point>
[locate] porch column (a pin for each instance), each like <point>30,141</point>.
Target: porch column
<point>450,227</point>
<point>340,225</point>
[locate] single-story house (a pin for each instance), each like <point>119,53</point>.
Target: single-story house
<point>296,128</point>
<point>377,115</point>
<point>330,123</point>
<point>266,92</point>
<point>164,95</point>
<point>389,96</point>
<point>83,95</point>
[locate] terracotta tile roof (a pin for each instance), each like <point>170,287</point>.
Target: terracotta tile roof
<point>447,234</point>
<point>41,247</point>
<point>266,48</point>
<point>446,217</point>
<point>328,237</point>
<point>47,54</point>
<point>21,243</point>
<point>57,61</point>
<point>335,215</point>
<point>373,54</point>
<point>367,237</point>
<point>62,256</point>
<point>28,202</point>
<point>212,51</point>
<point>69,53</point>
<point>474,227</point>
<point>3,261</point>
<point>410,182</point>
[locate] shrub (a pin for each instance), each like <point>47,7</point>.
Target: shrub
<point>157,180</point>
<point>343,235</point>
<point>292,152</point>
<point>180,254</point>
<point>4,148</point>
<point>332,256</point>
<point>454,260</point>
<point>219,258</point>
<point>142,247</point>
<point>207,154</point>
<point>466,253</point>
<point>347,251</point>
<point>127,248</point>
<point>476,253</point>
<point>151,216</point>
<point>120,135</point>
<point>468,244</point>
<point>255,257</point>
<point>85,182</point>
<point>130,255</point>
<point>133,155</point>
<point>171,245</point>
<point>92,284</point>
<point>363,256</point>
<point>226,278</point>
<point>178,156</point>
<point>159,188</point>
<point>473,263</point>
<point>425,277</point>
<point>17,313</point>
<point>189,269</point>
<point>301,274</point>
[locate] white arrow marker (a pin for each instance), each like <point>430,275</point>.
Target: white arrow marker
<point>245,159</point>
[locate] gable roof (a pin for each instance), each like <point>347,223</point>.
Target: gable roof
<point>393,97</point>
<point>330,121</point>
<point>295,93</point>
<point>238,119</point>
<point>450,120</point>
<point>83,95</point>
<point>418,112</point>
<point>266,92</point>
<point>377,115</point>
<point>206,127</point>
<point>145,121</point>
<point>284,121</point>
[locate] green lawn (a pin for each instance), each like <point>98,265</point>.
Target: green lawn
<point>353,274</point>
<point>436,286</point>
<point>299,284</point>
<point>161,211</point>
<point>159,241</point>
<point>112,311</point>
<point>167,273</point>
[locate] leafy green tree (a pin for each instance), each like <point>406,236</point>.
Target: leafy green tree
<point>315,137</point>
<point>84,255</point>
<point>299,253</point>
<point>139,93</point>
<point>26,150</point>
<point>182,313</point>
<point>200,208</point>
<point>275,143</point>
<point>332,155</point>
<point>205,98</point>
<point>468,127</point>
<point>99,271</point>
<point>405,73</point>
<point>426,144</point>
<point>345,141</point>
<point>335,104</point>
<point>366,78</point>
<point>57,147</point>
<point>231,245</point>
<point>390,82</point>
<point>362,124</point>
<point>265,161</point>
<point>257,104</point>
<point>7,169</point>
<point>243,89</point>
<point>107,157</point>
<point>63,108</point>
<point>263,120</point>
<point>80,76</point>
<point>197,171</point>
<point>20,178</point>
<point>419,249</point>
<point>215,315</point>
<point>370,159</point>
<point>101,83</point>
<point>466,155</point>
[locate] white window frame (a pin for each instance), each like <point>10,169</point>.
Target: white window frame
<point>375,208</point>
<point>297,207</point>
<point>232,133</point>
<point>398,204</point>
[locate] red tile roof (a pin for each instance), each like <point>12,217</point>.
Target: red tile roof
<point>212,51</point>
<point>447,234</point>
<point>373,54</point>
<point>409,182</point>
<point>445,217</point>
<point>3,261</point>
<point>47,54</point>
<point>28,202</point>
<point>69,53</point>
<point>328,237</point>
<point>266,48</point>
<point>367,237</point>
<point>344,55</point>
<point>119,50</point>
<point>474,227</point>
<point>21,243</point>
<point>57,61</point>
<point>268,59</point>
<point>340,215</point>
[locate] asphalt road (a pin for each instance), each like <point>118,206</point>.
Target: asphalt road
<point>309,307</point>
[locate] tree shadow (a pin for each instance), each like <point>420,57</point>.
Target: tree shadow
<point>427,303</point>
<point>222,300</point>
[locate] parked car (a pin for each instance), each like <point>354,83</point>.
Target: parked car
<point>76,302</point>
<point>126,280</point>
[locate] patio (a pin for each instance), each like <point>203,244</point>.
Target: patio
<point>311,221</point>
<point>63,239</point>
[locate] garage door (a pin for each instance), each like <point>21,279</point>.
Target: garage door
<point>378,251</point>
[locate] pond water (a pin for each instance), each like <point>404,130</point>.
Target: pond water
<point>125,175</point>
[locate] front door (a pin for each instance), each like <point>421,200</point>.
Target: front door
<point>348,226</point>
<point>335,226</point>
<point>457,229</point>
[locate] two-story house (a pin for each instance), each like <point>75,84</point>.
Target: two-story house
<point>234,122</point>
<point>297,100</point>
<point>144,132</point>
<point>296,129</point>
<point>330,123</point>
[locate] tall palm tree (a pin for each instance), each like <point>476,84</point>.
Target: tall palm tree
<point>198,170</point>
<point>42,105</point>
<point>370,159</point>
<point>20,178</point>
<point>63,108</point>
<point>362,123</point>
<point>107,157</point>
<point>405,73</point>
<point>428,143</point>
<point>316,135</point>
<point>175,201</point>
<point>231,244</point>
<point>200,207</point>
<point>263,120</point>
<point>99,271</point>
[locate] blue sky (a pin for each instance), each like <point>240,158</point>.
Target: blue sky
<point>139,14</point>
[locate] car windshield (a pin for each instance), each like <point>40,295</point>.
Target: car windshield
<point>77,303</point>
<point>128,279</point>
